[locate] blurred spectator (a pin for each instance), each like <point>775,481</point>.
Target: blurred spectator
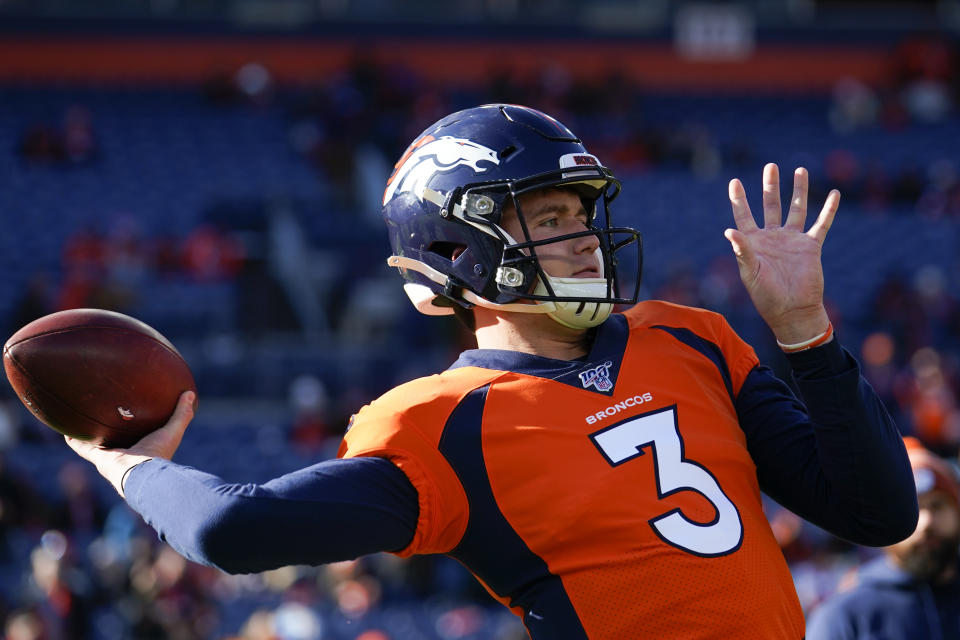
<point>854,105</point>
<point>21,509</point>
<point>908,184</point>
<point>931,403</point>
<point>876,189</point>
<point>211,254</point>
<point>878,358</point>
<point>259,626</point>
<point>373,307</point>
<point>75,143</point>
<point>79,139</point>
<point>842,169</point>
<point>61,592</point>
<point>941,192</point>
<point>252,83</point>
<point>310,405</point>
<point>86,283</point>
<point>174,597</point>
<point>913,591</point>
<point>41,145</point>
<point>354,589</point>
<point>25,624</point>
<point>292,621</point>
<point>10,425</point>
<point>262,305</point>
<point>85,251</point>
<point>896,309</point>
<point>127,260</point>
<point>35,302</point>
<point>925,71</point>
<point>81,513</point>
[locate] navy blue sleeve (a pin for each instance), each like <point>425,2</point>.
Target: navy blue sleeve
<point>334,510</point>
<point>836,459</point>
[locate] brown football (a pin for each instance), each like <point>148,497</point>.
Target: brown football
<point>96,375</point>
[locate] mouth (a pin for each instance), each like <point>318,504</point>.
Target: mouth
<point>587,272</point>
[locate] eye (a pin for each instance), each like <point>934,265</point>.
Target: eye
<point>552,221</point>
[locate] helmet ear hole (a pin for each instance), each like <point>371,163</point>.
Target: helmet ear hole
<point>449,250</point>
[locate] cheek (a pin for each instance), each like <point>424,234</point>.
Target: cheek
<point>946,523</point>
<point>553,253</point>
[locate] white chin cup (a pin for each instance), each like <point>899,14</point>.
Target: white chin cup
<point>578,315</point>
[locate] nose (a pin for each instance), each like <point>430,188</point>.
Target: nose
<point>586,244</point>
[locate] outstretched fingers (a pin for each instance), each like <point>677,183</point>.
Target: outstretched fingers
<point>797,215</point>
<point>742,215</point>
<point>771,196</point>
<point>825,219</point>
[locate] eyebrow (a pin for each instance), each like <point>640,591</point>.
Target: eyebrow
<point>552,207</point>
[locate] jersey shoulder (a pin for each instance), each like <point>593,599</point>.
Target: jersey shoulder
<point>654,313</point>
<point>705,331</point>
<point>421,405</point>
<point>437,393</point>
<point>405,426</point>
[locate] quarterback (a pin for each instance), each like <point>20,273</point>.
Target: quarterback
<point>599,472</point>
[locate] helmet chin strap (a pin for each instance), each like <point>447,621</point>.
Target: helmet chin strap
<point>578,315</point>
<point>575,315</point>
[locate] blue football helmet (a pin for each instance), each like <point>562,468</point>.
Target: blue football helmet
<point>444,201</point>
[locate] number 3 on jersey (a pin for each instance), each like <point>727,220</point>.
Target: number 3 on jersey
<point>658,430</point>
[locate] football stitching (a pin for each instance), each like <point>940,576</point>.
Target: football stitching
<point>164,342</point>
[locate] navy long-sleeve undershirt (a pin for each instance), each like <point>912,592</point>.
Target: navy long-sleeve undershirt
<point>334,510</point>
<point>838,463</point>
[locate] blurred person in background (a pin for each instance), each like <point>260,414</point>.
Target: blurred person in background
<point>526,460</point>
<point>59,592</point>
<point>25,625</point>
<point>913,590</point>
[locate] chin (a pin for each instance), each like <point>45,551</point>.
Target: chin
<point>925,563</point>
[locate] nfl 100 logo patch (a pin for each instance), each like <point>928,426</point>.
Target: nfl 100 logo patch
<point>598,377</point>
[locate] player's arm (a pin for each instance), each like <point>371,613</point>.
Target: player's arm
<point>842,466</point>
<point>331,511</point>
<point>837,459</point>
<point>334,510</point>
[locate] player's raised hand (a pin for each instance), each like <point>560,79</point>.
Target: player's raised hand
<point>780,263</point>
<point>113,464</point>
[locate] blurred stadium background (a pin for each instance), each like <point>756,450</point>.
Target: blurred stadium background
<point>214,167</point>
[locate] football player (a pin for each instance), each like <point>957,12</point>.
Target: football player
<point>599,472</point>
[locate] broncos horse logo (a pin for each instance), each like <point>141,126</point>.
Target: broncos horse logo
<point>430,155</point>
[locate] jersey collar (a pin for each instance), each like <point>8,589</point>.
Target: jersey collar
<point>597,372</point>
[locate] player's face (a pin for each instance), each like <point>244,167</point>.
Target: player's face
<point>932,548</point>
<point>550,213</point>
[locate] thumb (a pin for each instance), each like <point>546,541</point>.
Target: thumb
<point>746,259</point>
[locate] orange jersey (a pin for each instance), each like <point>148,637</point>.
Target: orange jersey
<point>608,498</point>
